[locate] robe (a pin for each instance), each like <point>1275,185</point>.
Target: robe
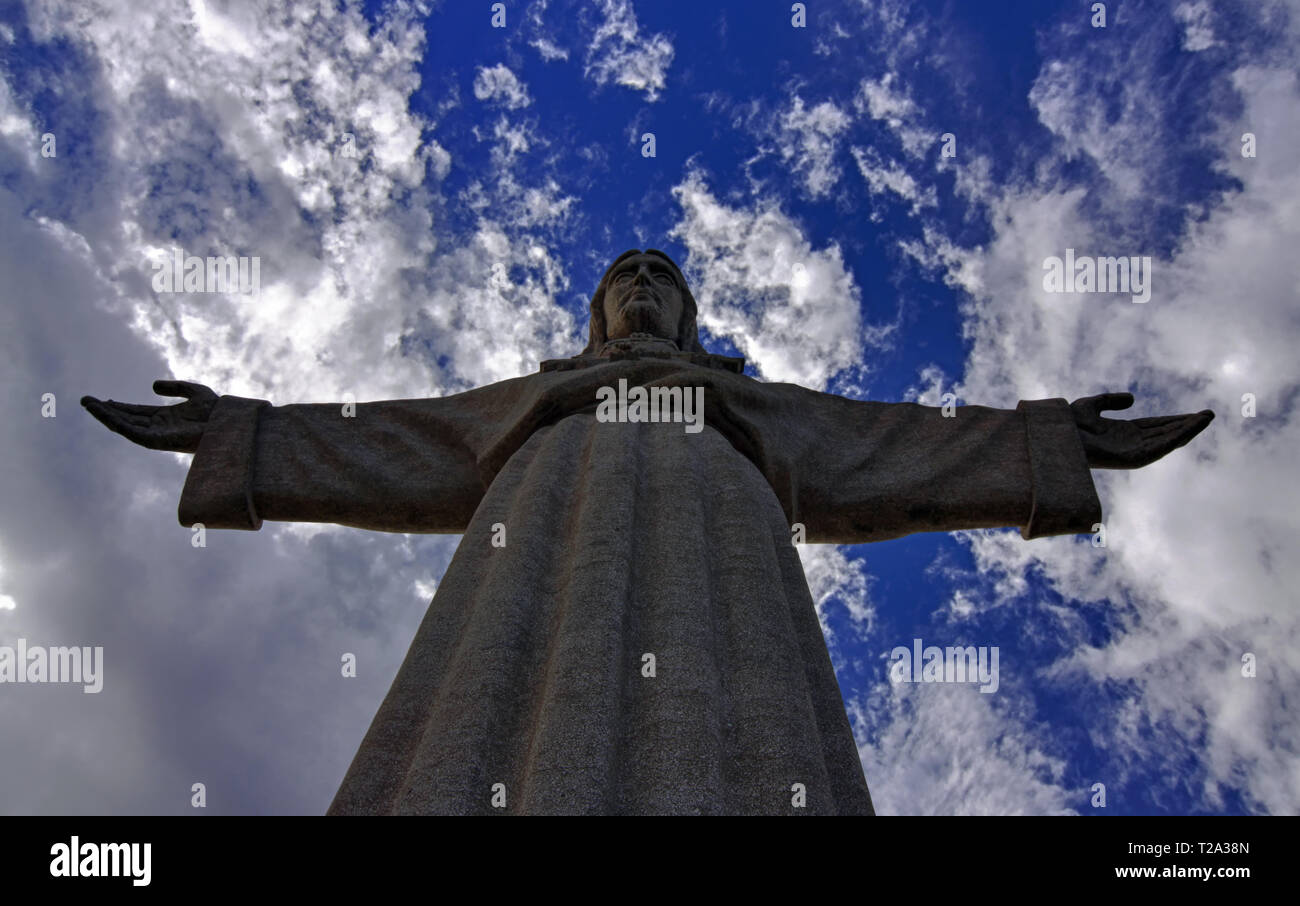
<point>528,687</point>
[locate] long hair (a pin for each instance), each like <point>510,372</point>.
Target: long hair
<point>688,335</point>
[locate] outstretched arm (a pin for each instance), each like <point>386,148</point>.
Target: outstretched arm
<point>854,471</point>
<point>403,465</point>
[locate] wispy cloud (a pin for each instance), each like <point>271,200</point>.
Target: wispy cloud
<point>1195,542</point>
<point>498,84</point>
<point>621,54</point>
<point>947,749</point>
<point>808,140</point>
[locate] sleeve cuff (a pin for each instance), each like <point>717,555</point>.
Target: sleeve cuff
<point>1065,500</point>
<point>219,487</point>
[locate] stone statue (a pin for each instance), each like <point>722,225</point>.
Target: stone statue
<point>625,626</point>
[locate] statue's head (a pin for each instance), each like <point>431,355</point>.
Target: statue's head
<point>643,292</point>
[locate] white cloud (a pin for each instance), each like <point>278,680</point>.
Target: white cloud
<point>230,142</point>
<point>792,310</point>
<point>6,601</point>
<point>948,749</point>
<point>882,177</point>
<point>192,109</point>
<point>934,384</point>
<point>18,127</point>
<point>882,100</point>
<point>369,270</point>
<point>220,33</point>
<point>549,50</point>
<point>835,578</point>
<point>497,83</point>
<point>1121,138</point>
<point>1198,30</point>
<point>808,139</point>
<point>1196,574</point>
<point>619,53</point>
<point>542,40</point>
<point>1198,542</point>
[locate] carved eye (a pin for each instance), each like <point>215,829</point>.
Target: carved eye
<point>665,279</point>
<point>622,278</point>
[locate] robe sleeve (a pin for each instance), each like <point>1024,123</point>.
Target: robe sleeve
<point>398,466</point>
<point>854,471</point>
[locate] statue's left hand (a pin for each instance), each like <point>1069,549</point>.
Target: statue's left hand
<point>1116,443</point>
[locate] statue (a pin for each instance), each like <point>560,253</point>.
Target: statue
<point>625,626</point>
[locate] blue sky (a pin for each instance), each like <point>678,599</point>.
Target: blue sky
<point>798,179</point>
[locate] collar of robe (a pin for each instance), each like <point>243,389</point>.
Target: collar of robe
<point>645,346</point>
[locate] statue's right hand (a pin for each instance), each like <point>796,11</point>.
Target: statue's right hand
<point>177,427</point>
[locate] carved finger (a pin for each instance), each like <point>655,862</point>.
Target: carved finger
<point>1174,434</point>
<point>1172,427</point>
<point>1158,421</point>
<point>113,420</point>
<point>115,406</point>
<point>1194,425</point>
<point>101,411</point>
<point>1194,422</point>
<point>1155,446</point>
<point>186,389</point>
<point>1089,408</point>
<point>132,408</point>
<point>1109,401</point>
<point>1169,437</point>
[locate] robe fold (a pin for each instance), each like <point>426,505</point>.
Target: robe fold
<point>645,641</point>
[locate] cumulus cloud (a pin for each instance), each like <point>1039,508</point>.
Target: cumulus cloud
<point>1194,572</point>
<point>285,133</point>
<point>1195,542</point>
<point>795,312</point>
<point>359,245</point>
<point>223,129</point>
<point>220,662</point>
<point>206,122</point>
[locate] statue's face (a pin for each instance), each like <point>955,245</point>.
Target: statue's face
<point>642,296</point>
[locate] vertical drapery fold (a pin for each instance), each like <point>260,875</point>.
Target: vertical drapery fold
<point>528,669</point>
